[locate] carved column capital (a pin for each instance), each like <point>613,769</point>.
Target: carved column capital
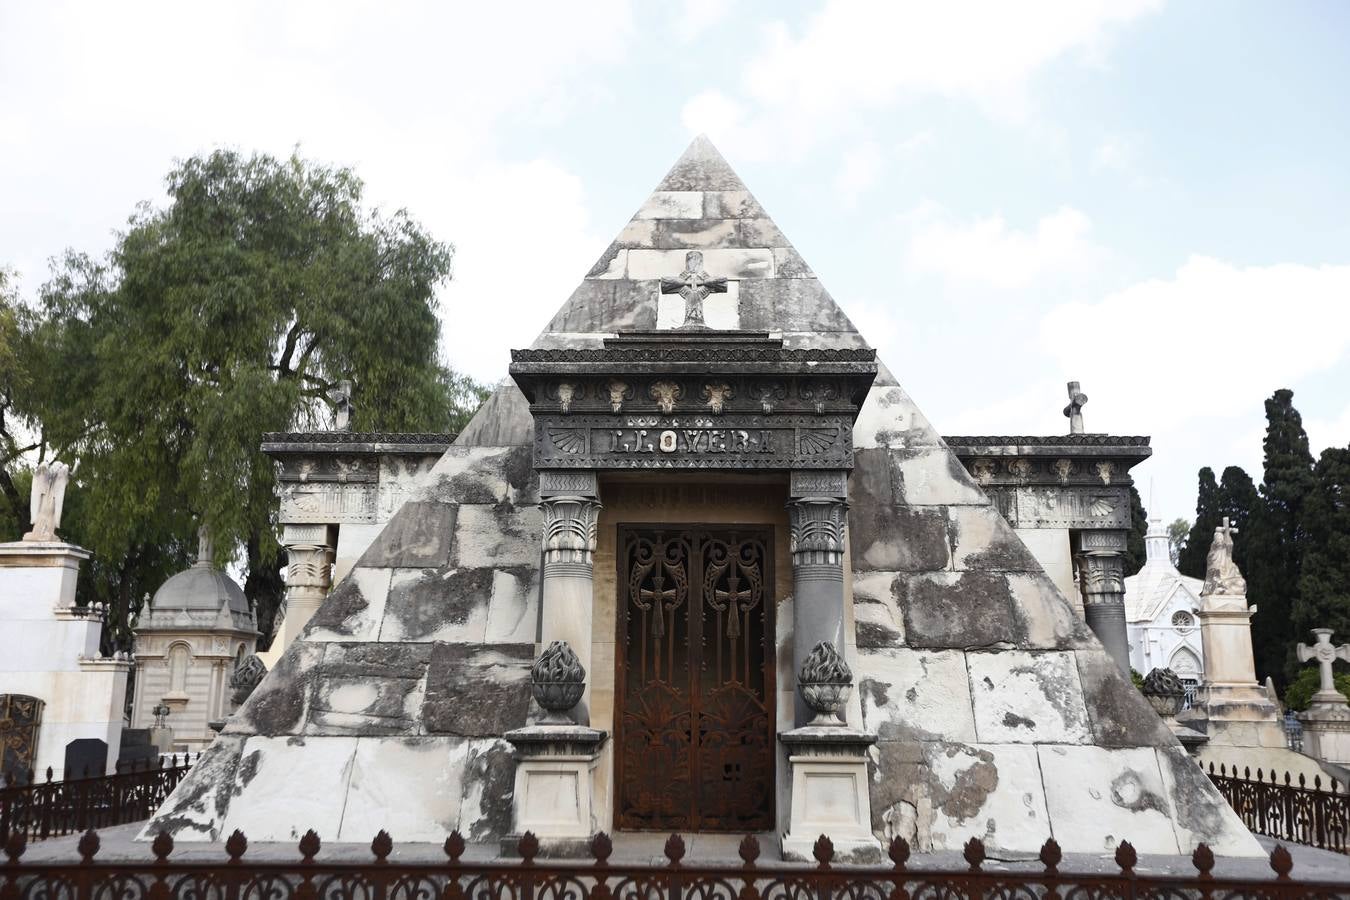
<point>816,535</point>
<point>1100,558</point>
<point>570,528</point>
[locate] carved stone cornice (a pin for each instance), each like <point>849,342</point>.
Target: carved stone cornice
<point>278,442</point>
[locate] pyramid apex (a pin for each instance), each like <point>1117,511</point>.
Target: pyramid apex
<point>701,168</point>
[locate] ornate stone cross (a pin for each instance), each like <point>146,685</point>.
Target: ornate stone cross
<point>1325,654</point>
<point>1074,411</point>
<point>694,285</point>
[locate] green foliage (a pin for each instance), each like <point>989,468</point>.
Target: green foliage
<point>1323,599</point>
<point>1178,533</point>
<point>1233,496</point>
<point>1298,696</point>
<point>16,383</point>
<point>1276,539</point>
<point>1135,549</point>
<point>1191,560</point>
<point>229,313</point>
<point>1137,680</point>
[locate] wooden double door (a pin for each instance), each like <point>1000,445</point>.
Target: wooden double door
<point>694,718</point>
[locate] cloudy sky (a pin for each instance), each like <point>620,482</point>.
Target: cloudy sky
<point>1150,198</point>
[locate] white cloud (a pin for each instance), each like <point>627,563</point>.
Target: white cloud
<point>1115,153</point>
<point>987,251</point>
<point>859,55</point>
<point>697,16</point>
<point>1208,342</point>
<point>861,169</point>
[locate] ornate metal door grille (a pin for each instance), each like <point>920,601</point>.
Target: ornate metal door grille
<point>20,717</point>
<point>695,720</point>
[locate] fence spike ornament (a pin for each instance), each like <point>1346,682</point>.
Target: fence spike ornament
<point>1126,858</point>
<point>748,850</point>
<point>601,848</point>
<point>823,851</point>
<point>162,846</point>
<point>674,849</point>
<point>898,851</point>
<point>382,845</point>
<point>454,846</point>
<point>974,853</point>
<point>1281,862</point>
<point>309,846</point>
<point>88,845</point>
<point>235,845</point>
<point>1050,856</point>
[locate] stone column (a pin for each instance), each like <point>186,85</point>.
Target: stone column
<point>817,511</point>
<point>571,505</point>
<point>1100,556</point>
<point>309,575</point>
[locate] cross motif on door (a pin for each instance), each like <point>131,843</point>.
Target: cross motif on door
<point>659,600</point>
<point>731,598</point>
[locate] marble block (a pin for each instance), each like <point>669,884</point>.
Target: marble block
<point>555,775</point>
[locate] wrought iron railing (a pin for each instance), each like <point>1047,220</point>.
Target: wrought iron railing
<point>43,809</point>
<point>309,878</point>
<point>1288,811</point>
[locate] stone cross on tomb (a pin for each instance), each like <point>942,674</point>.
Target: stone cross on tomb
<point>694,285</point>
<point>341,396</point>
<point>1074,411</point>
<point>1325,654</point>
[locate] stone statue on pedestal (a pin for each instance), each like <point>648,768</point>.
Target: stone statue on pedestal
<point>49,493</point>
<point>341,396</point>
<point>1222,575</point>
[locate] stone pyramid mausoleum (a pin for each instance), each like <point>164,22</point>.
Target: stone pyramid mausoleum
<point>694,508</point>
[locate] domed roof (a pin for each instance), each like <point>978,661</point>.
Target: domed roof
<point>200,588</point>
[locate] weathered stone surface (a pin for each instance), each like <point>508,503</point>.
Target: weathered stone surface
<point>956,610</point>
<point>737,204</point>
<point>701,168</point>
<point>410,787</point>
<point>194,811</point>
<point>513,612</point>
<point>672,205</point>
<point>442,604</point>
<point>418,535</point>
<point>503,421</point>
<point>915,695</point>
<point>489,777</point>
<point>364,706</point>
<point>686,234</point>
<point>788,263</point>
<point>760,232</point>
<point>1196,817</point>
<point>611,263</point>
<point>1046,619</point>
<point>893,538</point>
<point>989,791</point>
<point>353,610</point>
<point>608,305</point>
<point>477,690</point>
<point>1027,698</point>
<point>496,536</point>
<point>934,477</point>
<point>1120,715</point>
<point>889,419</point>
<point>383,660</point>
<point>790,304</point>
<point>268,807</point>
<point>1099,797</point>
<point>476,475</point>
<point>280,704</point>
<point>876,617</point>
<point>983,542</point>
<point>718,262</point>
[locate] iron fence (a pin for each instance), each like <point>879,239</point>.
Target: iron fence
<point>530,878</point>
<point>1288,811</point>
<point>43,809</point>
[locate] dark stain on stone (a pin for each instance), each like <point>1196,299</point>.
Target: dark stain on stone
<point>972,786</point>
<point>465,487</point>
<point>1012,720</point>
<point>1005,551</point>
<point>892,538</point>
<point>214,769</point>
<point>988,682</point>
<point>1128,792</point>
<point>494,768</point>
<point>912,694</point>
<point>477,690</point>
<point>518,468</point>
<point>877,690</point>
<point>438,598</point>
<point>969,611</point>
<point>339,608</point>
<point>378,660</point>
<point>278,703</point>
<point>419,535</point>
<point>248,770</point>
<point>874,634</point>
<point>1199,807</point>
<point>1119,714</point>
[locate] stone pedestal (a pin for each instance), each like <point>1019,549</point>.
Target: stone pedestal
<point>51,651</point>
<point>1231,707</point>
<point>555,786</point>
<point>571,508</point>
<point>830,793</point>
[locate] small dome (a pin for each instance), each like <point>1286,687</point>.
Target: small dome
<point>200,588</point>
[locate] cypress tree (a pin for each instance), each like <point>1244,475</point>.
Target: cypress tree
<point>1323,599</point>
<point>1191,560</point>
<point>1135,552</point>
<point>1238,498</point>
<point>1275,540</point>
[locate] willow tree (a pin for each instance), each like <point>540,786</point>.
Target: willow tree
<point>229,312</point>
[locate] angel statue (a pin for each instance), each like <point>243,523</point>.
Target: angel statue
<point>49,493</point>
<point>1222,575</point>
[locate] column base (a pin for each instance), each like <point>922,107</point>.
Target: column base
<point>830,794</point>
<point>1326,730</point>
<point>554,786</point>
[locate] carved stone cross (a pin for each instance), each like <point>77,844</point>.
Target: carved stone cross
<point>694,285</point>
<point>1074,411</point>
<point>1325,654</point>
